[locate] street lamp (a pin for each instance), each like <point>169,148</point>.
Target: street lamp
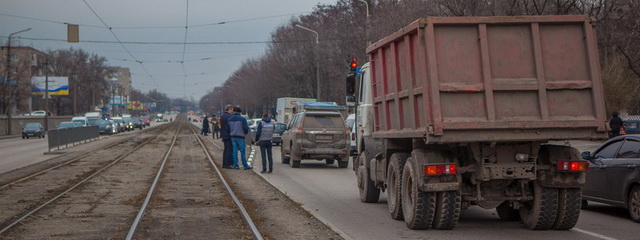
<point>8,72</point>
<point>366,4</point>
<point>317,59</point>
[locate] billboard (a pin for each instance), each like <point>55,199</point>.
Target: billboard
<point>57,85</point>
<point>134,105</point>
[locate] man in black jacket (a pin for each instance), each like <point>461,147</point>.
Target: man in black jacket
<point>227,162</point>
<point>615,123</point>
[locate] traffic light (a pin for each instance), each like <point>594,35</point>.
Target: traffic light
<point>354,64</point>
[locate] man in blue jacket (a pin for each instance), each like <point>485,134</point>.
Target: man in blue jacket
<point>264,135</point>
<point>238,129</point>
<point>226,138</point>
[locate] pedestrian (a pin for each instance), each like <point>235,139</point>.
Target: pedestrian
<point>615,123</point>
<point>238,129</point>
<point>215,125</point>
<point>226,138</point>
<point>205,126</point>
<point>264,135</point>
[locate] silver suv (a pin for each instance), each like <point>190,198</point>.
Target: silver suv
<point>319,135</point>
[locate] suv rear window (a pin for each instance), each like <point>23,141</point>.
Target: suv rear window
<point>323,121</point>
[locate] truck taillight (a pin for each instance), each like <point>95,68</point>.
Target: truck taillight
<point>439,169</point>
<point>572,166</point>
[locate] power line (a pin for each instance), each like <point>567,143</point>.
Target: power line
<point>120,42</point>
<point>189,43</point>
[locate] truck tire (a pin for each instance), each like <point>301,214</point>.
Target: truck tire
<point>394,184</point>
<point>343,163</point>
<point>540,214</point>
<point>447,210</point>
<point>418,207</point>
<point>330,161</point>
<point>634,204</point>
<point>285,159</point>
<point>569,203</point>
<point>369,193</point>
<point>507,213</point>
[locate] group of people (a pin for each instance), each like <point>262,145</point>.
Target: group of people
<point>214,123</point>
<point>233,129</point>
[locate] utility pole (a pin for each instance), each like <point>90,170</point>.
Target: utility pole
<point>46,94</point>
<point>317,59</point>
<point>368,29</point>
<point>7,82</point>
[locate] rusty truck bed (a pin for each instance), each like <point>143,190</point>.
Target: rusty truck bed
<point>529,78</point>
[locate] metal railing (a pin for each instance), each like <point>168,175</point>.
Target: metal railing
<point>64,137</point>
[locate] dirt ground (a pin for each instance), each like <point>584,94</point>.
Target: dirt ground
<point>191,203</point>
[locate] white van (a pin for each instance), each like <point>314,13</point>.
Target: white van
<point>93,117</point>
<point>82,121</point>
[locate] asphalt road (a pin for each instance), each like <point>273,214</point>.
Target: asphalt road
<point>16,152</point>
<point>331,194</point>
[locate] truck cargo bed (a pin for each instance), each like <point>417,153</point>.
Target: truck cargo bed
<point>488,79</point>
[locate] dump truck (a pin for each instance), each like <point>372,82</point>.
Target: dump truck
<point>454,112</point>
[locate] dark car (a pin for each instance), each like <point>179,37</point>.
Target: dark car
<point>614,174</point>
<point>277,133</point>
<point>128,123</point>
<point>107,127</point>
<point>137,123</point>
<point>33,130</point>
<point>146,122</point>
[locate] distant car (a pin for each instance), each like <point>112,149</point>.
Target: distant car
<point>64,125</point>
<point>146,121</point>
<point>351,124</point>
<point>33,130</point>
<point>319,135</point>
<point>39,113</point>
<point>128,124</point>
<point>120,123</point>
<point>107,126</point>
<point>614,174</point>
<point>277,133</point>
<point>137,123</point>
<point>82,121</point>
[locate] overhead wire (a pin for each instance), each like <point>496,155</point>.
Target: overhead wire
<point>120,42</point>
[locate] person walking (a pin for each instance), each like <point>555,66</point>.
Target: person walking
<point>215,125</point>
<point>615,123</point>
<point>226,137</point>
<point>264,135</point>
<point>205,126</point>
<point>238,129</point>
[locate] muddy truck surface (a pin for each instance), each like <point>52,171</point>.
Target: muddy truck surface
<point>455,112</point>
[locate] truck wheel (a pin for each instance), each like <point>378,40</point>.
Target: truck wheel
<point>394,184</point>
<point>418,207</point>
<point>569,203</point>
<point>367,189</point>
<point>447,210</point>
<point>634,204</point>
<point>540,214</point>
<point>507,213</point>
<point>330,161</point>
<point>284,158</point>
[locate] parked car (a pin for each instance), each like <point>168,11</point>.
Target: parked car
<point>82,121</point>
<point>614,174</point>
<point>351,124</point>
<point>39,113</point>
<point>120,123</point>
<point>107,127</point>
<point>137,123</point>
<point>33,130</point>
<point>319,135</point>
<point>64,125</point>
<point>277,133</point>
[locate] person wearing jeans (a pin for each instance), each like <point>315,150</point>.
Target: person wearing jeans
<point>238,129</point>
<point>264,135</point>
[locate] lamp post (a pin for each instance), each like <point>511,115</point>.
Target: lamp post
<point>317,60</point>
<point>367,30</point>
<point>8,72</point>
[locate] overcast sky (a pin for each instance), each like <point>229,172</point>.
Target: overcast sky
<point>146,21</point>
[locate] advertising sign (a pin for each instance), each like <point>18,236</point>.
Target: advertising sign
<point>135,105</point>
<point>57,85</point>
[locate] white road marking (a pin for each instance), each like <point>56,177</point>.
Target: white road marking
<point>594,234</point>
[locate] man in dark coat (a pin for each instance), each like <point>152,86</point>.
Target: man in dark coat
<point>225,134</point>
<point>205,126</point>
<point>615,123</point>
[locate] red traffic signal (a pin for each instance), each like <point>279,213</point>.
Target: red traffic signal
<point>354,64</point>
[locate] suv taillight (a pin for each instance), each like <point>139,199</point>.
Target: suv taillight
<point>299,131</point>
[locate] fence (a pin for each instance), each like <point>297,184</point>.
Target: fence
<point>18,122</point>
<point>64,137</point>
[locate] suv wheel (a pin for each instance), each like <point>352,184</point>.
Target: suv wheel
<point>285,159</point>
